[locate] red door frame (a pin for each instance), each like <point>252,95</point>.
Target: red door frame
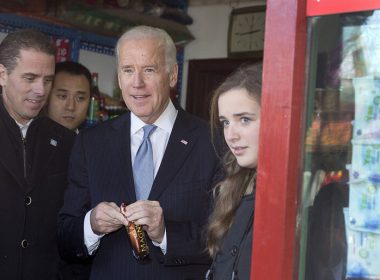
<point>276,224</point>
<point>325,7</point>
<point>274,244</point>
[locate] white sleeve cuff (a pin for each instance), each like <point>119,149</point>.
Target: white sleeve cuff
<point>91,239</point>
<point>163,245</point>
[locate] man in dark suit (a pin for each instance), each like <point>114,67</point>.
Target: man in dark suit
<point>34,154</point>
<point>101,174</point>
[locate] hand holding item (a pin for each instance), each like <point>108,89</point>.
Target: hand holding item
<point>136,237</point>
<point>150,215</point>
<point>106,218</point>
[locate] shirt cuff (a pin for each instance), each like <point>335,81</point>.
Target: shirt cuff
<point>163,245</point>
<point>91,239</point>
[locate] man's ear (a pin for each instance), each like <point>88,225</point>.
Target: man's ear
<point>118,79</point>
<point>3,75</point>
<point>173,76</point>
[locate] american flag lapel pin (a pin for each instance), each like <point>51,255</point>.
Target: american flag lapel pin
<point>184,142</point>
<point>53,142</point>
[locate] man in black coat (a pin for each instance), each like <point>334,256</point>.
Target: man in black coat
<point>34,154</point>
<point>103,174</point>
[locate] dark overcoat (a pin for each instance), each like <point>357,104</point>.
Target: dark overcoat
<point>33,177</point>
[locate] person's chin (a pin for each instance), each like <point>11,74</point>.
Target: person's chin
<point>245,163</point>
<point>68,124</point>
<point>71,127</point>
<point>33,112</point>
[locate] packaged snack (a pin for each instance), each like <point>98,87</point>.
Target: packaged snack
<point>137,238</point>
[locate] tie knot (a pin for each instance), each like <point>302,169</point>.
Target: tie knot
<point>148,129</point>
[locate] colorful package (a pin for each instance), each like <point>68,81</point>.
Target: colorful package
<point>363,252</point>
<point>365,158</point>
<point>367,108</point>
<point>364,204</point>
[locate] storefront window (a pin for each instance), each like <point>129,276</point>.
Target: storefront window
<point>340,228</point>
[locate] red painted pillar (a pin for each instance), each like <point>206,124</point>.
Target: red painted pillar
<point>275,252</point>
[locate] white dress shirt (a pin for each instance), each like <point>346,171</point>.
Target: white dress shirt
<point>159,138</point>
<point>24,127</point>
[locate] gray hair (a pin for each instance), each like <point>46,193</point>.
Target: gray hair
<point>148,32</point>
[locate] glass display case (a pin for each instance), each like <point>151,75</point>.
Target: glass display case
<point>340,216</point>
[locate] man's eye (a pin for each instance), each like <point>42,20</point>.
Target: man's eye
<point>29,78</point>
<point>61,96</point>
<point>150,70</point>
<point>80,98</point>
<point>127,70</point>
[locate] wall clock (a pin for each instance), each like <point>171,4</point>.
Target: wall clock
<point>246,32</point>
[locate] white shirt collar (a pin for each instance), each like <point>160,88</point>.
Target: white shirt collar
<point>24,127</point>
<point>165,121</point>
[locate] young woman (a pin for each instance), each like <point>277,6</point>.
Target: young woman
<point>235,108</point>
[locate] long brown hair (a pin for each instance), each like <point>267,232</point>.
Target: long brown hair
<point>238,181</point>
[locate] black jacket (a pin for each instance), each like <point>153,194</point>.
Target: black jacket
<point>33,177</point>
<point>235,254</point>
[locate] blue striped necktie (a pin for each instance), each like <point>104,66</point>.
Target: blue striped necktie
<point>143,171</point>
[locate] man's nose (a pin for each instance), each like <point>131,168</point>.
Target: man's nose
<point>138,80</point>
<point>70,104</point>
<point>40,88</point>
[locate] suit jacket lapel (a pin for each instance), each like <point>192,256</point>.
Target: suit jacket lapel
<point>181,142</point>
<point>121,153</point>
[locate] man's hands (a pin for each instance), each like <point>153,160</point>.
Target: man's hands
<point>149,214</point>
<point>106,217</point>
